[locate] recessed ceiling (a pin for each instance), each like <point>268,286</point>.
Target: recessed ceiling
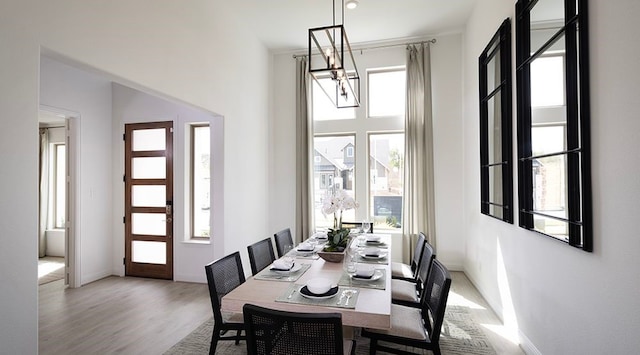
<point>283,24</point>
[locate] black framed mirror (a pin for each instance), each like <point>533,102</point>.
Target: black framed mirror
<point>496,171</point>
<point>554,171</point>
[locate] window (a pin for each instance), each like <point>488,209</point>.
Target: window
<point>60,183</point>
<point>200,181</point>
<point>360,155</point>
<point>554,179</point>
<point>496,175</point>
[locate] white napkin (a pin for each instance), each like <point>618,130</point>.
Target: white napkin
<point>372,252</point>
<point>364,271</point>
<point>373,238</point>
<point>305,247</point>
<point>320,235</point>
<point>282,264</point>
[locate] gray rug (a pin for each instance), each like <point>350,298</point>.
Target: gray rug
<point>460,336</point>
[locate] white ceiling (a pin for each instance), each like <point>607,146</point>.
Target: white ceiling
<point>283,24</point>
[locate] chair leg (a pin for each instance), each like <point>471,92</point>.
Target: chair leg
<point>214,341</point>
<point>372,346</point>
<point>238,337</point>
<point>436,350</point>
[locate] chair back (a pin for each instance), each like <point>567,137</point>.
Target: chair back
<point>223,275</point>
<point>280,332</point>
<point>260,255</point>
<point>428,255</point>
<point>434,299</point>
<point>283,238</point>
<point>417,253</point>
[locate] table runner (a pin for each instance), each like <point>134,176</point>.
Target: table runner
<point>269,275</point>
<point>379,284</point>
<point>292,295</point>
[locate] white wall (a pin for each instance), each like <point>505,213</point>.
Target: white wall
<point>89,95</point>
<point>560,299</point>
<point>195,53</point>
<point>446,59</point>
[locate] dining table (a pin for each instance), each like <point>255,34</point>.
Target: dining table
<point>361,302</point>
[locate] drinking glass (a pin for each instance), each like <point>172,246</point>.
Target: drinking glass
<point>288,256</point>
<point>366,225</point>
<point>349,263</point>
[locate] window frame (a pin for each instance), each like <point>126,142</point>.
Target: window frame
<point>577,152</point>
<point>192,207</point>
<point>500,44</point>
<point>56,195</point>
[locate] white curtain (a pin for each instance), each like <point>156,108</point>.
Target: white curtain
<point>44,191</point>
<point>303,147</point>
<point>418,204</point>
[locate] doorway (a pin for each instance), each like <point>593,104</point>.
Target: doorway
<point>149,200</point>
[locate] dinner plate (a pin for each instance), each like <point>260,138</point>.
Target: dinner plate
<point>294,268</point>
<point>304,291</point>
<point>374,257</point>
<point>373,242</point>
<point>376,276</point>
<point>305,250</point>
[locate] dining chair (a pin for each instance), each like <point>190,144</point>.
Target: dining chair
<point>401,270</point>
<point>408,291</point>
<point>224,275</point>
<point>260,255</point>
<point>277,332</point>
<point>352,225</point>
<point>416,327</point>
<point>283,238</point>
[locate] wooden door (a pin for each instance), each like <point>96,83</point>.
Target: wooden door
<point>149,200</point>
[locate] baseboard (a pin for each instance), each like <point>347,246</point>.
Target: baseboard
<point>94,277</point>
<point>526,345</point>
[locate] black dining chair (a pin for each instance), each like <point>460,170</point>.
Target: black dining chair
<point>416,327</point>
<point>277,332</point>
<point>409,271</point>
<point>408,291</point>
<point>224,275</point>
<point>260,255</point>
<point>282,239</point>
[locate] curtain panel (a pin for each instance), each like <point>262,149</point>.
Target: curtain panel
<point>303,148</point>
<point>418,203</point>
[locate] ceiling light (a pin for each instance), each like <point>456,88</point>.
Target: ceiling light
<point>331,63</point>
<point>352,4</point>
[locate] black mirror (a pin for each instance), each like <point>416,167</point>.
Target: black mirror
<point>496,170</point>
<point>554,177</point>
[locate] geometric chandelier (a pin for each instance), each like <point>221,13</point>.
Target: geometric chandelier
<point>331,63</point>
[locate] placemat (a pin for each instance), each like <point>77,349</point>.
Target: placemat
<point>292,295</point>
<point>267,274</point>
<point>364,244</point>
<point>383,261</point>
<point>379,284</point>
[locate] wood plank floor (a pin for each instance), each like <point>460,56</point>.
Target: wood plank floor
<point>144,316</point>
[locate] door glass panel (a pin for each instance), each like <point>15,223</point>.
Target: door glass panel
<point>149,223</point>
<point>148,195</point>
<point>149,252</point>
<point>149,168</point>
<point>148,139</point>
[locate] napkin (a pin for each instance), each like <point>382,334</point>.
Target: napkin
<point>305,247</point>
<point>282,265</point>
<point>373,238</point>
<point>372,252</point>
<point>364,271</point>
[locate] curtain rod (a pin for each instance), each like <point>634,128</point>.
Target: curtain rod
<point>433,40</point>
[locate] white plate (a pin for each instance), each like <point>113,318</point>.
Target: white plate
<point>376,276</point>
<point>304,292</point>
<point>296,267</point>
<point>379,256</point>
<point>306,250</point>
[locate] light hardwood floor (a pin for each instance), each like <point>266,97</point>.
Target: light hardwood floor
<point>144,316</point>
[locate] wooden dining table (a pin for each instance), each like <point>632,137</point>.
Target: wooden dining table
<point>372,307</point>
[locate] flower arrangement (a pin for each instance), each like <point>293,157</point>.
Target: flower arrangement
<point>336,202</point>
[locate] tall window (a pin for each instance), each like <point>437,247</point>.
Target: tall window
<point>60,183</point>
<point>200,181</point>
<point>361,150</point>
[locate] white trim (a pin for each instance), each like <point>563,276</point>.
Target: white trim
<point>526,345</point>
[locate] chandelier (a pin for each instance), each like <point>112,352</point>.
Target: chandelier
<point>331,63</point>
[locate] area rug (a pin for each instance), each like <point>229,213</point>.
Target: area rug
<point>460,336</point>
<point>50,268</point>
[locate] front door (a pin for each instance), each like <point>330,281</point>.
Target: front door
<point>149,200</point>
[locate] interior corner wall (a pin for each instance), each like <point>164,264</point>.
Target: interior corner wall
<point>194,53</point>
<point>559,299</point>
